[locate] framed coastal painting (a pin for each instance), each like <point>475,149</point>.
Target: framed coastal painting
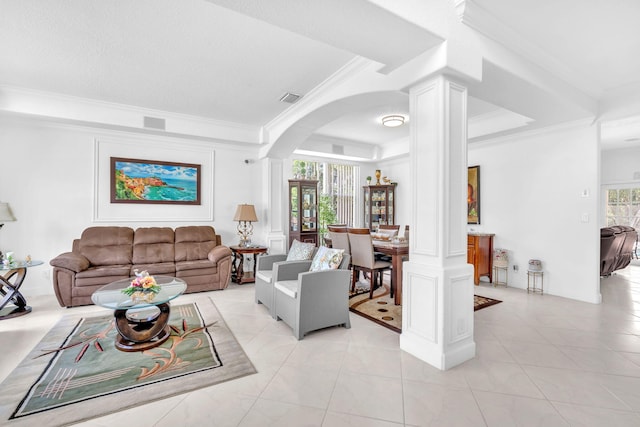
<point>473,195</point>
<point>154,182</point>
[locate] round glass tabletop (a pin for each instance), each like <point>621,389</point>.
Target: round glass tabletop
<point>19,264</point>
<point>111,295</point>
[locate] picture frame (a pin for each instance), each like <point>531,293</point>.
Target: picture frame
<point>473,195</point>
<point>154,182</point>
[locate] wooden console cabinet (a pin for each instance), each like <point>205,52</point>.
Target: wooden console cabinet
<point>480,254</point>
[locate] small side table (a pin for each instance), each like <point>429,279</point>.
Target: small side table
<point>238,274</point>
<point>496,276</point>
<point>532,281</point>
<point>10,292</point>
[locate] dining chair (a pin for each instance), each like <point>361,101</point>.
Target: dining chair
<point>363,259</point>
<point>339,237</point>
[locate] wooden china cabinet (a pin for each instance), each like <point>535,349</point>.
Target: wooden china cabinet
<point>480,254</point>
<point>379,205</point>
<point>303,210</point>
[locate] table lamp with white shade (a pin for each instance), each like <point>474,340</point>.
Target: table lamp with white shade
<point>5,216</point>
<point>245,215</point>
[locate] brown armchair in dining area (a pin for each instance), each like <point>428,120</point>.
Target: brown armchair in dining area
<point>363,259</point>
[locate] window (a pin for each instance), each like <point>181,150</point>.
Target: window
<point>337,190</point>
<point>623,206</point>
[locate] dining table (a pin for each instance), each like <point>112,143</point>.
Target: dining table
<point>399,252</point>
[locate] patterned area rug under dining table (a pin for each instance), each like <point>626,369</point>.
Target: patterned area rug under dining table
<point>75,373</point>
<point>382,310</point>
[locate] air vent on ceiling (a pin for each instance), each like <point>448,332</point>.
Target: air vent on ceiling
<point>154,123</point>
<point>337,149</point>
<point>290,98</point>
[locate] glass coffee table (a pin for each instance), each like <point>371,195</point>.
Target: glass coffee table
<point>141,325</point>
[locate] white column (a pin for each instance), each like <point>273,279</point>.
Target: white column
<point>437,310</point>
<point>277,203</point>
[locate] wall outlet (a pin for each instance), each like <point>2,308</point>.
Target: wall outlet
<point>515,268</point>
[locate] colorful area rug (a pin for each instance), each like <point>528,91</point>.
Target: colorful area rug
<point>482,302</point>
<point>382,310</point>
<point>75,373</point>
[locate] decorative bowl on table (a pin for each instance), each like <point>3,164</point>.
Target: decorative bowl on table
<point>143,288</point>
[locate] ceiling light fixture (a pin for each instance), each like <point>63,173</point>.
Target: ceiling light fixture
<point>393,121</point>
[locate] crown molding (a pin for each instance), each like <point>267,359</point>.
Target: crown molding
<point>69,108</point>
<point>479,19</point>
<point>521,134</point>
<point>495,121</point>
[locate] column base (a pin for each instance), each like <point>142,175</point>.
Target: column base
<point>437,314</point>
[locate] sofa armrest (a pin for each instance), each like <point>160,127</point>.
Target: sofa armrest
<point>218,253</point>
<point>71,261</point>
<point>289,270</point>
<point>265,262</point>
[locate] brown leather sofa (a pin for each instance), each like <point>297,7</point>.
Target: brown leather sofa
<point>617,244</point>
<point>102,255</point>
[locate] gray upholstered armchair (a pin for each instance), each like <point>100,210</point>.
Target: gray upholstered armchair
<point>265,274</point>
<point>310,300</point>
<point>264,283</point>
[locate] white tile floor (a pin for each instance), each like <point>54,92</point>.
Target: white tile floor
<point>541,361</point>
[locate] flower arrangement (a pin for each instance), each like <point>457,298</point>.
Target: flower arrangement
<point>142,288</point>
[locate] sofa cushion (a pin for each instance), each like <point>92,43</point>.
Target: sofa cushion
<point>194,265</point>
<point>300,251</point>
<point>194,243</point>
<point>287,287</point>
<point>153,245</point>
<point>155,268</point>
<point>265,275</point>
<point>107,245</point>
<point>105,271</point>
<point>326,259</point>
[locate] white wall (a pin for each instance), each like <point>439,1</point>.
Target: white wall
<point>531,191</point>
<point>397,170</point>
<point>47,176</point>
<point>621,166</point>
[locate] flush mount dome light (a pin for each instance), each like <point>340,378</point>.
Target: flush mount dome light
<point>393,121</point>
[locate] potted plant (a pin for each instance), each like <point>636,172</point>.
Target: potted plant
<point>368,180</point>
<point>303,170</point>
<point>326,214</point>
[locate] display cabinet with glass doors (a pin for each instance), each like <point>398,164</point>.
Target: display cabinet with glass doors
<point>379,205</point>
<point>303,210</point>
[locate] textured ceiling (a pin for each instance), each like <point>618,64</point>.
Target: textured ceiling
<point>231,60</point>
<point>187,56</point>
